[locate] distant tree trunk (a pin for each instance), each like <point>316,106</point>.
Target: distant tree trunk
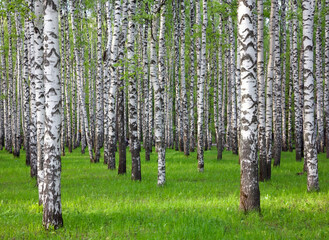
<point>99,88</point>
<point>233,119</point>
<point>290,136</point>
<point>4,89</point>
<point>81,95</point>
<point>113,88</point>
<point>146,131</point>
<point>68,78</point>
<point>183,98</point>
<point>40,94</point>
<point>298,120</point>
<point>192,78</point>
<point>26,97</point>
<point>309,130</point>
<point>9,143</point>
<point>224,96</point>
<point>158,85</point>
<point>269,88</point>
<point>326,86</point>
<point>249,188</point>
<point>238,92</point>
<point>33,122</point>
<point>107,77</point>
<point>277,118</point>
<point>151,116</point>
<point>52,210</point>
<point>16,96</point>
<point>283,80</point>
<point>301,97</point>
<point>121,93</point>
<point>132,89</point>
<point>228,89</point>
<point>90,83</point>
<point>219,91</point>
<point>63,78</point>
<point>261,93</point>
<point>206,103</point>
<point>178,116</point>
<point>319,82</point>
<point>201,54</point>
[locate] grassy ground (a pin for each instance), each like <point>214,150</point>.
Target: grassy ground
<point>99,204</point>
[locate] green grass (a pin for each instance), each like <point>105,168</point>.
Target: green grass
<point>99,204</point>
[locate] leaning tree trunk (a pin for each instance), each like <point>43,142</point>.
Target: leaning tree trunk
<point>52,210</point>
<point>261,93</point>
<point>201,53</point>
<point>309,123</point>
<point>249,188</point>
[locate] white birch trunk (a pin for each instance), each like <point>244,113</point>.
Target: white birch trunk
<point>309,123</point>
<point>201,79</point>
<point>249,188</point>
<point>52,210</point>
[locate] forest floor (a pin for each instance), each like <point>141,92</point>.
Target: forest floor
<point>99,204</point>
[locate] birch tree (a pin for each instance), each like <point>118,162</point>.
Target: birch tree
<point>269,88</point>
<point>113,88</point>
<point>201,58</point>
<point>132,89</point>
<point>249,188</point>
<point>158,85</point>
<point>219,90</point>
<point>277,119</point>
<point>39,93</point>
<point>99,87</point>
<point>326,93</point>
<point>298,120</point>
<point>81,95</point>
<point>261,92</point>
<point>319,81</point>
<point>33,112</point>
<point>309,124</point>
<point>192,78</point>
<point>183,98</point>
<point>52,210</point>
